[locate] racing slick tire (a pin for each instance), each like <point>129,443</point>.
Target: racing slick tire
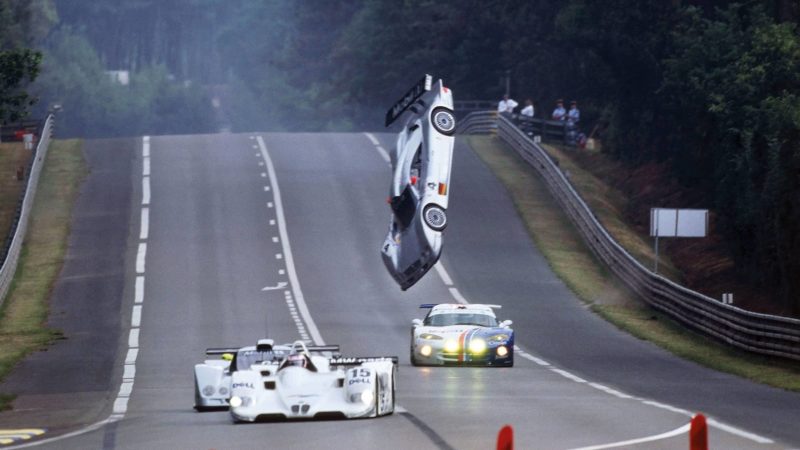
<point>435,217</point>
<point>444,121</point>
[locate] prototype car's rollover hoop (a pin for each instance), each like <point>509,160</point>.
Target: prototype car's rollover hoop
<point>444,121</point>
<point>435,217</point>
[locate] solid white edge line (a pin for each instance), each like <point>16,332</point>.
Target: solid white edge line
<point>384,153</point>
<point>130,357</point>
<point>146,166</point>
<point>372,138</point>
<point>287,249</point>
<point>140,256</point>
<point>129,371</point>
<point>738,432</point>
<point>88,429</point>
<point>138,291</point>
<point>566,374</point>
<point>457,295</point>
<point>144,228</point>
<point>121,405</point>
<point>443,273</point>
<point>146,190</point>
<point>676,432</point>
<point>125,389</point>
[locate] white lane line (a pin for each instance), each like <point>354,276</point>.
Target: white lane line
<point>566,374</point>
<point>136,316</point>
<point>138,291</point>
<point>739,432</point>
<point>676,432</point>
<point>130,358</point>
<point>140,256</point>
<point>125,389</point>
<point>121,405</point>
<point>278,256</point>
<point>281,272</point>
<point>287,250</point>
<point>270,205</point>
<point>144,228</point>
<point>133,338</point>
<point>667,407</point>
<point>129,372</point>
<point>372,138</point>
<point>608,390</point>
<point>146,166</point>
<point>146,146</point>
<point>457,295</point>
<point>272,222</point>
<point>266,188</point>
<point>146,190</point>
<point>443,274</point>
<point>263,175</point>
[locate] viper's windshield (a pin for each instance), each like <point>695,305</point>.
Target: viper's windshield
<point>443,320</point>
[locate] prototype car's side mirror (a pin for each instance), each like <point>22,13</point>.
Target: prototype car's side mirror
<point>227,356</point>
<point>506,324</point>
<point>416,323</point>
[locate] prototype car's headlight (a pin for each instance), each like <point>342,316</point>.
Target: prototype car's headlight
<point>451,346</point>
<point>236,401</point>
<point>367,397</point>
<point>444,121</point>
<point>477,346</point>
<point>499,338</point>
<point>208,391</point>
<point>425,350</point>
<point>502,351</point>
<point>430,337</point>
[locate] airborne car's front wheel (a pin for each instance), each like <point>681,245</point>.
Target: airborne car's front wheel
<point>444,121</point>
<point>435,217</point>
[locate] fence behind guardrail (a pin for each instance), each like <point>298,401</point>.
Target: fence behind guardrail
<point>759,333</point>
<point>9,263</point>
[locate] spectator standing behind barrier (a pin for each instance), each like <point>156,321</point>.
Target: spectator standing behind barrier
<point>574,114</point>
<point>506,106</point>
<point>559,113</point>
<point>527,111</point>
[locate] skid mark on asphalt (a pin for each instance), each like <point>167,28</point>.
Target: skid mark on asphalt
<point>15,436</point>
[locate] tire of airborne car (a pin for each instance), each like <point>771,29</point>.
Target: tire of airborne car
<point>435,217</point>
<point>443,120</point>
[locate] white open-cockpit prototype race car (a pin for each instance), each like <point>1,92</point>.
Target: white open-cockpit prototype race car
<point>212,378</point>
<point>461,335</point>
<point>305,385</point>
<point>421,164</point>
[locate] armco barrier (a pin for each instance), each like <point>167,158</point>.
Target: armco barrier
<point>9,264</point>
<point>759,333</point>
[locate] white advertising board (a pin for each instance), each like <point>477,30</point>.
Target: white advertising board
<point>666,222</point>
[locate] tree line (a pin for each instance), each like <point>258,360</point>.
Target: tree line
<point>709,87</point>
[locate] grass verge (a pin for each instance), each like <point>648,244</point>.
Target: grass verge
<point>574,263</point>
<point>23,315</point>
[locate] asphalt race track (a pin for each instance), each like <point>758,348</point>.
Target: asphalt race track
<point>230,217</point>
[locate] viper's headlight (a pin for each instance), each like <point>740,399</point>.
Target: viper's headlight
<point>502,351</point>
<point>425,350</point>
<point>367,397</point>
<point>451,346</point>
<point>499,338</point>
<point>208,391</point>
<point>477,346</point>
<point>430,337</point>
<point>236,401</point>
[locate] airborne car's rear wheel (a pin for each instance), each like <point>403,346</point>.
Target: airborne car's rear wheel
<point>435,217</point>
<point>444,121</point>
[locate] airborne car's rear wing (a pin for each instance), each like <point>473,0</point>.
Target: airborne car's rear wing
<point>416,91</point>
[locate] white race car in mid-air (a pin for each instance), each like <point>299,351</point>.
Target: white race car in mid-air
<point>308,386</point>
<point>212,378</point>
<point>421,164</point>
<point>461,335</point>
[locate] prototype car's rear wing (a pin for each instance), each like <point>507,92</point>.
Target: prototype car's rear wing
<point>310,348</point>
<point>416,91</point>
<point>358,360</point>
<point>431,305</point>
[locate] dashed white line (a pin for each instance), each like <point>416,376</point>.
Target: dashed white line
<point>146,166</point>
<point>146,146</point>
<point>121,405</point>
<point>138,291</point>
<point>263,175</point>
<point>146,190</point>
<point>136,316</point>
<point>125,389</point>
<point>140,257</point>
<point>130,358</point>
<point>133,338</point>
<point>145,223</point>
<point>274,238</point>
<point>287,250</point>
<point>272,222</point>
<point>129,371</point>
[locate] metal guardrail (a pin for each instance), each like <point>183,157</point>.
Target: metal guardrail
<point>20,226</point>
<point>760,333</point>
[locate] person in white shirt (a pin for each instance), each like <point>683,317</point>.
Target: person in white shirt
<point>506,105</point>
<point>574,114</point>
<point>559,113</point>
<point>527,111</point>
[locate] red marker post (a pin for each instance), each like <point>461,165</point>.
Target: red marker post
<point>698,433</point>
<point>505,439</point>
